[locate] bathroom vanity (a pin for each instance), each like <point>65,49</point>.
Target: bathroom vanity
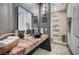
<point>30,44</point>
<point>13,45</point>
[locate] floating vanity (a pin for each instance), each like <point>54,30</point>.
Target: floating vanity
<point>13,45</point>
<point>30,44</point>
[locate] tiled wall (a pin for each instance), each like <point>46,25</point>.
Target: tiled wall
<point>58,25</point>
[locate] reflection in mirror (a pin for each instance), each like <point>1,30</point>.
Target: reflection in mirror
<point>24,19</point>
<point>44,16</point>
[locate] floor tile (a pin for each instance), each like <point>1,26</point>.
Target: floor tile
<point>56,50</point>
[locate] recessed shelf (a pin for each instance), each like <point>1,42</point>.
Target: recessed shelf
<point>55,20</point>
<point>57,30</point>
<point>55,35</point>
<point>54,26</point>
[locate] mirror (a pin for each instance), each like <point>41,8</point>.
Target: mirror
<point>44,16</point>
<point>24,19</point>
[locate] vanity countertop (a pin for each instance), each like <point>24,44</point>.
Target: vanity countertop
<point>26,45</point>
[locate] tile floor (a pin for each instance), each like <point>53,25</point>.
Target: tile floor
<point>57,49</point>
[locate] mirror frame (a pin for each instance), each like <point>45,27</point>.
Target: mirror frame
<point>29,12</point>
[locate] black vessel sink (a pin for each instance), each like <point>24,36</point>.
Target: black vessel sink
<point>38,35</point>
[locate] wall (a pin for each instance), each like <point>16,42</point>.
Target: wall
<point>45,26</point>
<point>69,14</point>
<point>8,17</point>
<point>70,10</point>
<point>59,18</point>
<point>74,41</point>
<point>6,24</point>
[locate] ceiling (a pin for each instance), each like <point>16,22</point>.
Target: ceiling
<point>58,7</point>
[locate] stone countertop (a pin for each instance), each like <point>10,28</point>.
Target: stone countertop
<point>26,45</point>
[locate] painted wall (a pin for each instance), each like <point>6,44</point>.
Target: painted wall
<point>73,41</point>
<point>70,10</point>
<point>6,24</point>
<point>69,14</point>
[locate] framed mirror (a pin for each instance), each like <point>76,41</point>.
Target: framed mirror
<point>24,19</point>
